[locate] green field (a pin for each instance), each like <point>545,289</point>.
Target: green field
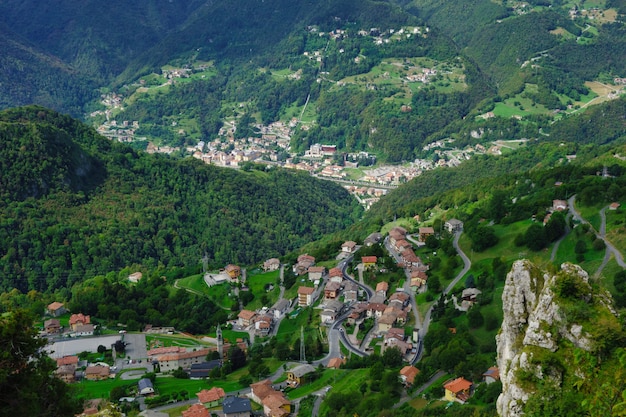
<point>162,340</point>
<point>505,248</point>
<point>616,228</point>
<point>394,73</point>
<point>221,294</point>
<point>257,283</point>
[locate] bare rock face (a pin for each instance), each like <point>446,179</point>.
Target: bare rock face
<point>533,325</point>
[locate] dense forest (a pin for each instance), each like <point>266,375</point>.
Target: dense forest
<point>60,222</point>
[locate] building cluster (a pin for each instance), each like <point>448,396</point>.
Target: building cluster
<point>416,269</point>
<point>262,321</point>
<point>79,324</point>
<point>227,151</point>
<point>122,132</point>
<point>338,295</point>
<point>425,76</point>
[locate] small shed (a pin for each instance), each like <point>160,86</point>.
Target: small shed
<point>145,386</point>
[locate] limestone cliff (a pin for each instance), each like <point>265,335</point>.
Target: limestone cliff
<point>545,317</point>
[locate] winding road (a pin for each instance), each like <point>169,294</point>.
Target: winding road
<point>610,249</point>
<point>467,264</point>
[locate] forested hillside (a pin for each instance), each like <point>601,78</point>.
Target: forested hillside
<point>76,205</point>
<point>352,73</point>
<point>587,136</point>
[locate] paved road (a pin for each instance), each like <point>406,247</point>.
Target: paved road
<point>610,249</point>
<point>555,248</point>
<point>467,264</point>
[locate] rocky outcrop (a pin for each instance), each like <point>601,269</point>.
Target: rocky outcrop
<point>533,328</point>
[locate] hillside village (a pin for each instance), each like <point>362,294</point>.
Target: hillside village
<point>344,305</point>
<point>271,144</point>
<point>324,161</point>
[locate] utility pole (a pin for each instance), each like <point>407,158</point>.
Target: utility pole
<point>220,342</point>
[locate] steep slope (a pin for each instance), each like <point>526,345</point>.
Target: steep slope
<point>97,39</point>
<point>554,325</point>
<point>240,30</point>
<point>91,206</point>
<point>32,75</point>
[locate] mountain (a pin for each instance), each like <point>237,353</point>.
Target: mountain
<point>389,77</point>
<point>33,75</point>
<point>76,205</point>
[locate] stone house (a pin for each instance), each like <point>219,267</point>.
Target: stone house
<point>56,309</point>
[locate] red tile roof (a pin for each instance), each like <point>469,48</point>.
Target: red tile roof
<point>262,389</point>
<point>335,363</point>
<point>196,410</point>
<point>409,372</point>
<point>164,350</point>
<point>55,306</point>
<point>246,314</point>
<point>67,360</point>
<point>458,385</point>
<point>335,272</point>
<point>306,290</point>
<point>76,318</point>
<point>213,394</point>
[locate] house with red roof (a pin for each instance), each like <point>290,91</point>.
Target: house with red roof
<point>458,390</point>
<point>335,363</point>
<point>408,374</point>
<point>271,264</point>
<point>305,296</point>
<point>491,375</point>
<point>246,318</point>
<point>382,288</point>
<point>79,319</point>
<point>369,261</point>
<point>348,247</point>
<point>211,397</point>
<point>196,410</point>
<point>233,271</point>
<point>56,309</point>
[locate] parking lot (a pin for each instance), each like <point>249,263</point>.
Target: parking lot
<point>135,348</point>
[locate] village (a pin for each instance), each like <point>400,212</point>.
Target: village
<point>342,303</point>
<point>271,143</point>
<point>272,148</point>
